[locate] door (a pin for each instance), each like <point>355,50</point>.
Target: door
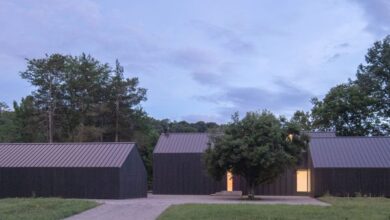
<point>303,180</point>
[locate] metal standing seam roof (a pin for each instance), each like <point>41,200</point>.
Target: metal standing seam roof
<point>64,154</point>
<point>350,152</point>
<point>182,143</point>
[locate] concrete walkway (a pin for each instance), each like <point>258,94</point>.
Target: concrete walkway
<point>150,208</point>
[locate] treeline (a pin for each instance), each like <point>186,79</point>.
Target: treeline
<point>80,99</point>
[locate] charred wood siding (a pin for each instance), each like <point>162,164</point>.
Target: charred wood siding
<point>96,171</point>
<point>133,177</point>
<point>284,185</point>
<point>352,181</point>
<point>102,183</point>
<point>182,173</point>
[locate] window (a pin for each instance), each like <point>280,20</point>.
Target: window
<point>229,183</point>
<point>303,180</point>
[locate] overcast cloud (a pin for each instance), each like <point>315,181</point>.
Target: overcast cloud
<point>200,60</point>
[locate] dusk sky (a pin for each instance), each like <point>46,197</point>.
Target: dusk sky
<point>200,60</point>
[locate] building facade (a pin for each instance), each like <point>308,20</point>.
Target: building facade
<point>340,166</point>
<point>72,170</point>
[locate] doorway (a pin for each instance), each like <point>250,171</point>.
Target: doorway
<point>303,180</point>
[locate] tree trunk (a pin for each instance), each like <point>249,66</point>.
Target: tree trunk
<point>251,191</point>
<point>50,126</point>
<point>250,185</point>
<point>50,110</point>
<point>117,121</point>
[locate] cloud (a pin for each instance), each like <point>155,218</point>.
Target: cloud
<point>231,40</point>
<point>192,58</point>
<point>207,78</point>
<point>205,117</point>
<point>334,57</point>
<point>378,14</point>
<point>286,100</point>
<point>343,45</point>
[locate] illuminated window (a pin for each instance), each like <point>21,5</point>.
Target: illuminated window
<point>303,180</point>
<point>229,183</point>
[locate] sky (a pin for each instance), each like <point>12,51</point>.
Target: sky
<point>200,60</point>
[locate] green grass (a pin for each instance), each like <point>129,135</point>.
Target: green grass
<point>41,208</point>
<point>342,208</point>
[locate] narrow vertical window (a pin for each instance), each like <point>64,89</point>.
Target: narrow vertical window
<point>229,181</point>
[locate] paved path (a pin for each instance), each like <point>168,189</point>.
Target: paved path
<point>150,208</point>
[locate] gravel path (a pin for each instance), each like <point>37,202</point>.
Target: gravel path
<point>150,208</point>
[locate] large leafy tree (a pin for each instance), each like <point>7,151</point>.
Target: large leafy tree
<point>347,110</point>
<point>259,148</point>
<point>373,77</point>
<point>361,106</point>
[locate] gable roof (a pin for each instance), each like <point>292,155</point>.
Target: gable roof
<point>182,143</point>
<point>350,152</point>
<point>64,154</point>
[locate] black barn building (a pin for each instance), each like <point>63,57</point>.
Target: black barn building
<point>341,166</point>
<point>72,170</point>
<point>348,166</point>
<point>178,166</point>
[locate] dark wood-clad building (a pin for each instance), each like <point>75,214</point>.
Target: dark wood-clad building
<point>340,166</point>
<point>347,166</point>
<point>72,170</point>
<point>178,166</point>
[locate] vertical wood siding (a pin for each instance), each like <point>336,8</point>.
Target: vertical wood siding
<point>352,181</point>
<point>182,173</point>
<point>133,177</point>
<point>129,181</point>
<point>285,184</point>
<point>96,183</point>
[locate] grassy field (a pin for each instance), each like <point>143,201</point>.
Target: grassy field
<point>342,208</point>
<point>41,208</point>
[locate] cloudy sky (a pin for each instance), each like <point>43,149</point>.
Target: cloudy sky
<point>200,60</point>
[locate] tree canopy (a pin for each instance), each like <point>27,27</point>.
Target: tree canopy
<point>80,99</point>
<point>258,147</point>
<point>361,106</point>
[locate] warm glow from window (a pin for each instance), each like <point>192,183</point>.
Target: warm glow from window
<point>229,183</point>
<point>290,137</point>
<point>303,180</point>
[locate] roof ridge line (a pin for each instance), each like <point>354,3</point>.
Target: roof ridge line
<point>80,143</point>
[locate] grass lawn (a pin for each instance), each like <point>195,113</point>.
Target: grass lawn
<point>342,208</point>
<point>41,208</point>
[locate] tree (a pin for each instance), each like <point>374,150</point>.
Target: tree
<point>373,78</point>
<point>125,95</point>
<point>362,106</point>
<point>47,75</point>
<point>7,124</point>
<point>259,148</point>
<point>303,119</point>
<point>345,109</point>
<point>29,121</point>
<point>3,107</point>
<point>85,98</point>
